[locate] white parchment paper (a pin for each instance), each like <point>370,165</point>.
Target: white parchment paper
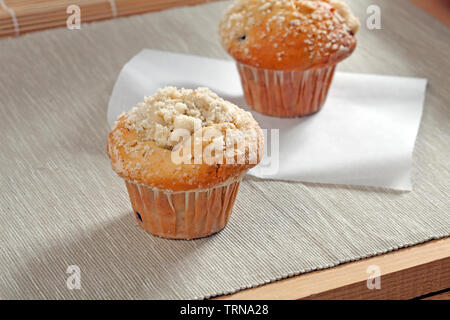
<point>364,135</point>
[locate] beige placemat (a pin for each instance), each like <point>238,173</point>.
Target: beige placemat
<point>62,205</point>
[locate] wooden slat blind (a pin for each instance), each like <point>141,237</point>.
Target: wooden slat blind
<point>21,16</point>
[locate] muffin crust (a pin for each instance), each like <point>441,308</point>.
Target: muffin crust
<point>142,141</point>
<point>289,34</point>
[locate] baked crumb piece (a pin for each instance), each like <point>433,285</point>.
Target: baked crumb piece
<point>170,109</point>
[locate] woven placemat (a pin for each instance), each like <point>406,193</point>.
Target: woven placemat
<point>62,205</point>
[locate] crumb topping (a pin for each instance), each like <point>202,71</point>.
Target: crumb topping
<point>323,26</point>
<point>170,108</point>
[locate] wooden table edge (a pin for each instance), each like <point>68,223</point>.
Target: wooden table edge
<point>405,274</point>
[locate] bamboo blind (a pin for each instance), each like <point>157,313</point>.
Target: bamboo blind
<point>21,16</point>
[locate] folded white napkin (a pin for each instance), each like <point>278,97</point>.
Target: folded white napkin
<point>364,135</point>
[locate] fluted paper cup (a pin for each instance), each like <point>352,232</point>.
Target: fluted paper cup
<point>285,94</point>
<point>183,215</point>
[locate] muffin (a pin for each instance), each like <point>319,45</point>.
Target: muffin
<point>182,154</point>
<point>287,50</point>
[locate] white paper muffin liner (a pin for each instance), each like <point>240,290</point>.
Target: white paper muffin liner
<point>183,215</point>
<point>285,94</point>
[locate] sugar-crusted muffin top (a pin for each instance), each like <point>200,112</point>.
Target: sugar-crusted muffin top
<point>170,108</point>
<point>288,34</point>
<point>145,145</point>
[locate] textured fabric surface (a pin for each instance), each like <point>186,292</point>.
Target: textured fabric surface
<point>61,204</point>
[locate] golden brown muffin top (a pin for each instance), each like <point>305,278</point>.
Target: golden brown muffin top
<point>182,139</point>
<point>289,34</point>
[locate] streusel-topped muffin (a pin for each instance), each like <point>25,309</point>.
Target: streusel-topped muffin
<point>182,154</point>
